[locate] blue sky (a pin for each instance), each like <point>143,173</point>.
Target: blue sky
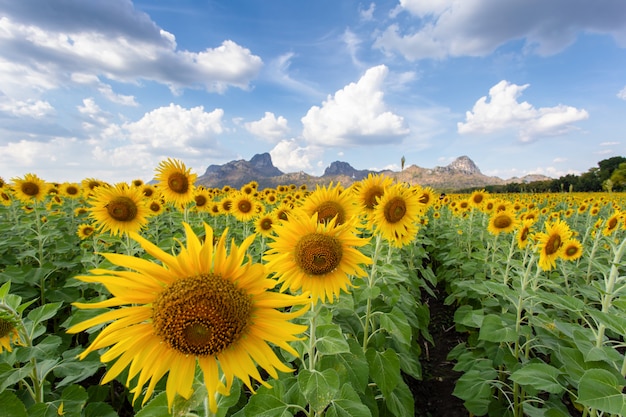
<point>109,88</point>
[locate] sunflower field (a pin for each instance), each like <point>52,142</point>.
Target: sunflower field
<point>172,299</point>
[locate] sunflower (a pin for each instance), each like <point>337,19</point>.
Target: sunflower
<point>71,189</point>
<point>5,197</point>
<point>30,188</point>
<point>202,199</point>
<point>203,306</point>
<point>176,182</point>
<point>244,207</point>
<point>612,223</point>
<point>396,214</point>
<point>502,221</point>
<point>155,207</point>
<point>119,209</point>
<point>89,185</point>
<point>149,191</point>
<point>550,243</point>
<point>523,233</point>
<point>8,333</point>
<point>316,257</point>
<point>478,198</point>
<point>330,202</point>
<point>572,250</point>
<point>264,224</point>
<point>369,190</point>
<point>425,196</point>
<point>85,230</point>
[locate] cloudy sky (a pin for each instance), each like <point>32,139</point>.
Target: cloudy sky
<point>109,88</point>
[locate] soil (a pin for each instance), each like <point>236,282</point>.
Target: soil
<point>433,394</point>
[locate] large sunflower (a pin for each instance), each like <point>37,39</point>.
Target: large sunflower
<point>397,214</point>
<point>329,202</point>
<point>370,189</point>
<point>550,243</point>
<point>30,188</point>
<point>502,222</point>
<point>176,182</point>
<point>202,306</point>
<point>119,209</point>
<point>245,207</point>
<point>316,257</point>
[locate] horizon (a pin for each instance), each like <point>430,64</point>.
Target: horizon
<point>110,88</point>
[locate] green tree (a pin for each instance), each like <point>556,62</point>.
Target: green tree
<point>402,161</point>
<point>607,166</point>
<point>618,177</point>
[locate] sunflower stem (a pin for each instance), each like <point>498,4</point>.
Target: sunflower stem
<point>312,337</point>
<point>371,279</point>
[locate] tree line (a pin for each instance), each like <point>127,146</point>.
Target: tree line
<point>609,175</point>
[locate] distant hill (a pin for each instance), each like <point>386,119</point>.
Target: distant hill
<point>459,174</point>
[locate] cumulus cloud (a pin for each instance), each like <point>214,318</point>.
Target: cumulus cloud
<point>289,156</point>
<point>622,93</point>
<point>111,39</point>
<point>35,109</point>
<point>502,111</point>
<point>355,115</point>
<point>478,27</point>
<point>269,127</point>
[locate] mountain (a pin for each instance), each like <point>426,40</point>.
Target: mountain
<point>459,174</point>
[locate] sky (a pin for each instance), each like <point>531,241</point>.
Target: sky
<point>108,89</point>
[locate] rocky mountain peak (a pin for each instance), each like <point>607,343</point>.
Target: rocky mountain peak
<point>339,168</point>
<point>462,165</point>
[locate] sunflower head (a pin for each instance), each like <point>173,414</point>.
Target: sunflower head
<point>330,202</point>
<point>502,221</point>
<point>85,230</point>
<point>204,306</point>
<point>30,188</point>
<point>119,209</point>
<point>8,332</point>
<point>317,258</point>
<point>176,182</point>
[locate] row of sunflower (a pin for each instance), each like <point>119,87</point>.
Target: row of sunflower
<point>310,299</point>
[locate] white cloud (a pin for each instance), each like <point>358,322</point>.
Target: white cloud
<point>367,14</point>
<point>174,127</point>
<point>289,156</point>
<point>478,27</point>
<point>355,115</point>
<point>622,93</point>
<point>138,51</point>
<point>269,127</point>
<point>25,108</point>
<point>609,143</point>
<point>502,111</point>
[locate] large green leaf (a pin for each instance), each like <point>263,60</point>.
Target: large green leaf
<point>319,388</point>
<point>263,405</point>
<point>11,405</point>
<point>396,323</point>
<point>496,329</point>
<point>540,376</point>
<point>600,389</point>
<point>330,340</point>
<point>384,369</point>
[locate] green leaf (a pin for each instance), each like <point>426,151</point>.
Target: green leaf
<point>330,340</point>
<point>465,315</point>
<point>72,370</point>
<point>600,389</point>
<point>349,405</point>
<point>157,407</point>
<point>496,329</point>
<point>100,410</point>
<point>11,405</point>
<point>396,323</point>
<point>351,367</point>
<point>475,388</point>
<point>10,376</point>
<point>401,401</point>
<point>73,399</point>
<point>540,376</point>
<point>319,388</point>
<point>263,405</point>
<point>384,369</point>
<point>4,289</point>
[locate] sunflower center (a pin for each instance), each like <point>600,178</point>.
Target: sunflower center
<point>5,328</point>
<point>201,315</point>
<point>502,221</point>
<point>395,209</point>
<point>266,224</point>
<point>122,209</point>
<point>424,198</point>
<point>371,195</point>
<point>553,244</point>
<point>155,207</point>
<point>244,206</point>
<point>612,223</point>
<point>71,190</point>
<point>179,183</point>
<point>328,210</point>
<point>318,254</point>
<point>571,250</point>
<point>30,188</point>
<point>200,200</point>
<point>524,234</point>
